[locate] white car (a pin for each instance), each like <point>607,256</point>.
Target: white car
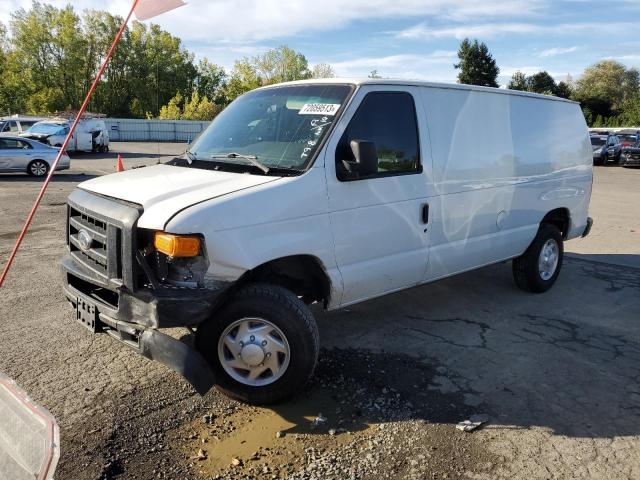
<point>335,192</point>
<point>29,156</point>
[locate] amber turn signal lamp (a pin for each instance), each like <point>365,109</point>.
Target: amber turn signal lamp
<point>177,245</point>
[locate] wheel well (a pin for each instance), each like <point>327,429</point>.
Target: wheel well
<point>303,275</point>
<point>561,218</point>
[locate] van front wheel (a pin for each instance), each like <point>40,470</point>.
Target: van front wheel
<point>538,268</point>
<point>262,345</point>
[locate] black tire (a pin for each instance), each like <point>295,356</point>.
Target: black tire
<point>38,168</point>
<point>288,313</point>
<point>526,271</point>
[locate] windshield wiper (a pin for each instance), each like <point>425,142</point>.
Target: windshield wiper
<point>249,158</point>
<point>190,157</point>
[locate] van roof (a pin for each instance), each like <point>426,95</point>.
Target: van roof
<point>418,83</point>
<point>21,117</point>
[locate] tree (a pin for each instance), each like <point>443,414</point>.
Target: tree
<point>374,74</point>
<point>173,109</point>
<point>194,108</point>
<point>322,70</point>
<point>609,82</point>
<point>281,64</point>
<point>607,89</point>
<point>211,81</point>
<point>57,54</point>
<point>564,90</point>
<point>244,77</point>
<point>51,49</point>
<point>518,81</point>
<point>477,66</point>
<point>542,82</point>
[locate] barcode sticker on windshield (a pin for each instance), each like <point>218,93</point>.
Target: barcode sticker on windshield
<point>319,109</point>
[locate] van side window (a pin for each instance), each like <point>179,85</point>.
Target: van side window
<point>13,126</point>
<point>388,119</point>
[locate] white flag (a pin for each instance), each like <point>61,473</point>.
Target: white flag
<point>147,9</point>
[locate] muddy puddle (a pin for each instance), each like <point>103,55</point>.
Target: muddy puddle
<point>380,418</point>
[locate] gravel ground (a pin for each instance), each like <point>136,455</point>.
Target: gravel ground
<point>556,374</point>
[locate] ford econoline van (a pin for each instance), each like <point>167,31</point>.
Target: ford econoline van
<point>324,191</point>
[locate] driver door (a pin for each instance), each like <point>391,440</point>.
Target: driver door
<point>380,223</point>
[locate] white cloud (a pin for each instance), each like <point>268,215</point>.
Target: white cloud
<point>554,52</point>
<point>234,21</point>
<point>424,31</point>
<point>435,66</point>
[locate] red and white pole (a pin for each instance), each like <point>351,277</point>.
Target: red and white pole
<point>52,170</point>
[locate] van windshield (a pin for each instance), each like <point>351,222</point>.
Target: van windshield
<point>47,129</point>
<point>280,127</point>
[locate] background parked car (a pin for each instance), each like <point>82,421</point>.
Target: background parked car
<point>610,151</point>
<point>29,156</point>
<point>597,144</point>
<point>631,156</point>
<point>628,139</point>
<point>17,124</point>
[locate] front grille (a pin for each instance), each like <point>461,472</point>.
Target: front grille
<point>104,255</point>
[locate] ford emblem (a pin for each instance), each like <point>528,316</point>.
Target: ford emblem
<point>85,240</point>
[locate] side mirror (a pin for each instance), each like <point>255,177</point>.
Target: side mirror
<point>366,160</point>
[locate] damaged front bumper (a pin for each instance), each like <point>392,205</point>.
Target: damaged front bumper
<point>134,318</point>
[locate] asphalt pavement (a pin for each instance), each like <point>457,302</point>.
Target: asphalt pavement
<point>558,373</point>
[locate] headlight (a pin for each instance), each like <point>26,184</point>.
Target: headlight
<point>179,260</point>
<point>177,245</point>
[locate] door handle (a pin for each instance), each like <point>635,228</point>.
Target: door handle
<point>425,213</point>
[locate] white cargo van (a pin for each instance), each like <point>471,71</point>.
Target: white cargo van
<point>91,134</point>
<point>333,192</point>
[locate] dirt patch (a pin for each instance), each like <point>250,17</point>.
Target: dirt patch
<point>365,415</point>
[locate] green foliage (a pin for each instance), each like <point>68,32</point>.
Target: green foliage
<point>542,82</point>
<point>477,66</point>
<point>609,94</point>
<point>518,81</point>
<point>281,64</point>
<point>54,54</point>
<point>564,90</point>
<point>277,65</point>
<point>322,70</point>
<point>194,108</point>
<point>211,81</point>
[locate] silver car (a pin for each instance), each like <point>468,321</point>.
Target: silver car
<point>29,156</point>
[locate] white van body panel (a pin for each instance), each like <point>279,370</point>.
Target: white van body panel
<point>501,163</point>
<point>494,164</point>
<point>278,219</point>
<point>377,223</point>
<point>164,190</point>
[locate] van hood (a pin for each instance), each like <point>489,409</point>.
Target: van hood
<point>164,190</point>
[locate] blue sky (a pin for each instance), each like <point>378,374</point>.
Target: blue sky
<point>403,38</point>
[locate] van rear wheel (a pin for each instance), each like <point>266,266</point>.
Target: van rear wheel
<point>262,345</point>
<point>538,268</point>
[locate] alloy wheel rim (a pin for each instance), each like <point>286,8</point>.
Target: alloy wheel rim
<point>38,168</point>
<point>548,259</point>
<point>254,351</point>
